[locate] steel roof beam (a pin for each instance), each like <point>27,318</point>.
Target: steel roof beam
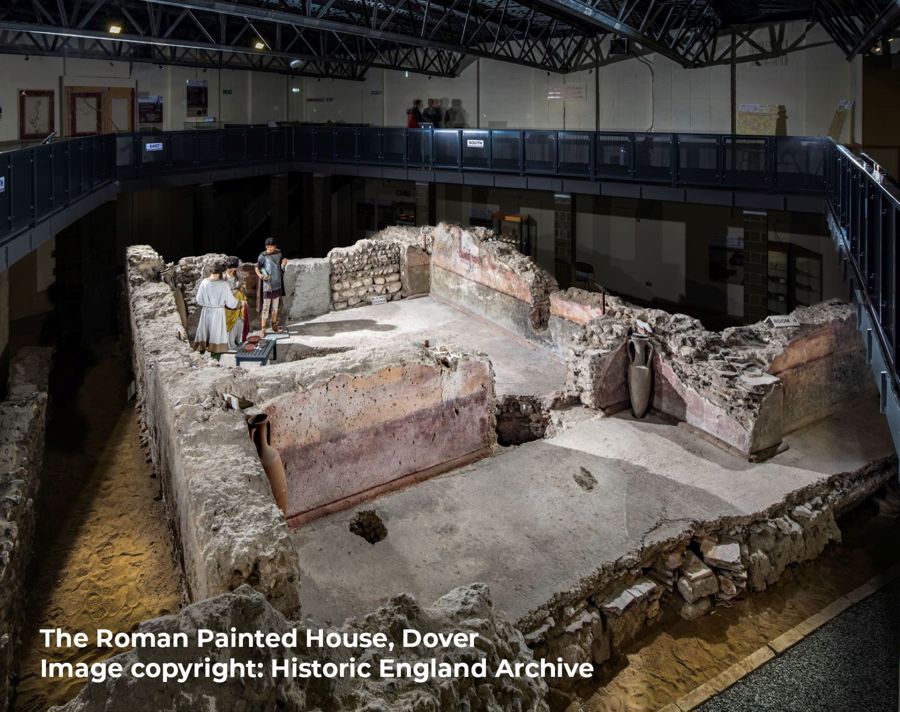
<point>584,13</point>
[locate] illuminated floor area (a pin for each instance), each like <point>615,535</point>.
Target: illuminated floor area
<point>524,522</point>
<point>520,367</point>
<point>104,555</point>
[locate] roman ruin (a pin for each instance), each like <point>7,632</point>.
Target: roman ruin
<point>454,428</point>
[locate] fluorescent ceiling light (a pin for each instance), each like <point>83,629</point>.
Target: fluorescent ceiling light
<point>259,45</point>
<point>115,29</point>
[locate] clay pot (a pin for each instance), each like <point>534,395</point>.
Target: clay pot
<point>640,374</point>
<point>180,304</point>
<point>260,432</point>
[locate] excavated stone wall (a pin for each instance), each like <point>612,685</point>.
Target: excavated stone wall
<point>367,269</point>
<point>359,423</point>
<point>689,575</point>
<point>307,288</point>
<point>219,502</point>
<point>746,386</point>
<point>492,279</point>
<point>463,610</point>
<point>23,417</point>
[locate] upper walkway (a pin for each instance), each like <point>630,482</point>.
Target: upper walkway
<point>46,187</point>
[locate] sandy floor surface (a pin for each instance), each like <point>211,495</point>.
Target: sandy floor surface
<point>103,557</point>
<point>669,662</point>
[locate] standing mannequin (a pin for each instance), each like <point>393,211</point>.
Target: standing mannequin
<point>214,296</point>
<point>270,270</point>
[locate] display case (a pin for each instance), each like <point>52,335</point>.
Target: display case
<point>514,229</point>
<point>794,277</point>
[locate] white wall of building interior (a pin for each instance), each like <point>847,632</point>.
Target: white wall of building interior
<point>653,93</point>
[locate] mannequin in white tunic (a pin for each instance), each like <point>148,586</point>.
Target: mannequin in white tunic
<point>213,295</point>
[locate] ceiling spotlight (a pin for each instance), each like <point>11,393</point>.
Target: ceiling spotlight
<point>295,63</point>
<point>259,44</point>
<point>115,29</point>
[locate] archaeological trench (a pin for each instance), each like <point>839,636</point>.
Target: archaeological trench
<point>460,454</point>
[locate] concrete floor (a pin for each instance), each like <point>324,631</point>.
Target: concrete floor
<point>521,523</point>
<point>848,664</point>
<point>521,367</point>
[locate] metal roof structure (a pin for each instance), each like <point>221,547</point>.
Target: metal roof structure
<point>345,38</point>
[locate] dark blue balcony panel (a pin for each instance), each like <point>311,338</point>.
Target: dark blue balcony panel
<point>540,151</point>
<point>446,148</point>
<point>418,148</point>
<point>576,153</point>
<point>370,146</point>
<point>654,157</point>
<point>43,180</point>
<point>800,162</point>
<point>476,150</point>
<point>345,145</point>
<point>699,159</point>
<point>613,155</point>
<point>393,146</point>
<point>746,161</point>
<point>506,150</point>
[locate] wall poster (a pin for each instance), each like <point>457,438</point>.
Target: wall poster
<point>197,97</point>
<point>36,116</point>
<point>150,109</point>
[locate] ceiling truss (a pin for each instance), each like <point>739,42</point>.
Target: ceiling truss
<point>346,38</point>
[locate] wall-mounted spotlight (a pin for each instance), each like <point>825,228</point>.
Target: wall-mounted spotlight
<point>259,44</point>
<point>295,63</point>
<point>115,29</point>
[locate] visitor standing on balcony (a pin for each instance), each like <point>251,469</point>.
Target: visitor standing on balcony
<point>270,270</point>
<point>433,113</point>
<point>214,296</point>
<point>414,115</point>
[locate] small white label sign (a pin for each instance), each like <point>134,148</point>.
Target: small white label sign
<point>475,142</point>
<point>150,147</point>
<point>2,184</point>
<point>378,299</point>
<point>778,321</point>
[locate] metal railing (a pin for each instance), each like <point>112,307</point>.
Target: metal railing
<point>864,216</point>
<point>786,164</point>
<point>39,180</point>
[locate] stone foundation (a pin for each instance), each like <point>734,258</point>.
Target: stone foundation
<point>23,417</point>
<point>220,506</point>
<point>687,576</point>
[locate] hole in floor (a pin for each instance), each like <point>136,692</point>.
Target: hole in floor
<point>585,479</point>
<point>369,526</point>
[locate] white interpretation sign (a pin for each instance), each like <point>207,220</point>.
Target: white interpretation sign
<point>475,143</point>
<point>150,147</point>
<point>778,321</point>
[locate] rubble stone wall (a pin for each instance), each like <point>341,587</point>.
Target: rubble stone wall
<point>363,421</point>
<point>23,418</point>
<point>366,269</point>
<point>690,575</point>
<point>492,279</point>
<point>745,386</point>
<point>220,506</point>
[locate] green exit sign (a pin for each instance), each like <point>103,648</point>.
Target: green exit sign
<point>226,91</point>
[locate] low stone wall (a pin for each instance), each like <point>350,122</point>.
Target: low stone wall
<point>365,421</point>
<point>367,269</point>
<point>687,576</point>
<point>746,386</point>
<point>492,279</point>
<point>466,610</point>
<point>219,502</point>
<point>23,418</point>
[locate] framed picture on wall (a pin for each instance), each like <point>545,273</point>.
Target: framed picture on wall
<point>36,115</point>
